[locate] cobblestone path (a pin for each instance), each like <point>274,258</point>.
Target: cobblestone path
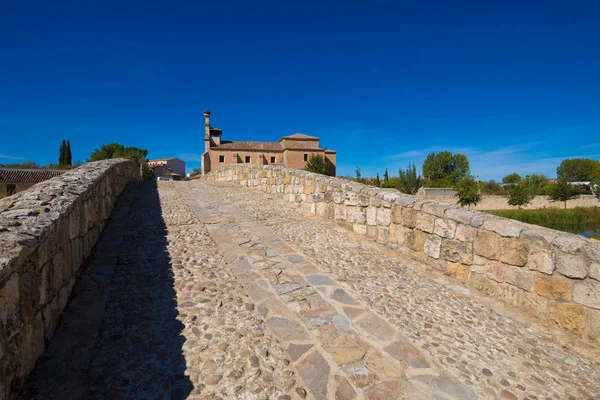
<point>206,290</point>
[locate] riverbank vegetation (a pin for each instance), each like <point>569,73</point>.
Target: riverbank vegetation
<point>576,220</point>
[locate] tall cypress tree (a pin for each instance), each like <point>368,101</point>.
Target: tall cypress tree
<point>62,152</point>
<point>69,156</point>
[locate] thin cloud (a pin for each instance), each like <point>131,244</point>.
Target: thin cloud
<point>9,157</point>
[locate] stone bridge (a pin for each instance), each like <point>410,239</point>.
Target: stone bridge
<point>266,283</point>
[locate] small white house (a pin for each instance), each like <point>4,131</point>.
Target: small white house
<point>173,164</point>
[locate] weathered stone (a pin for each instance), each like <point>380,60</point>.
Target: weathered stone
<point>408,353</point>
<point>383,390</point>
<point>409,217</point>
<point>459,215</point>
<point>593,324</point>
<point>397,214</point>
<point>592,251</point>
<point>415,239</point>
<point>497,271</point>
<point>568,316</point>
<point>503,227</point>
<point>539,259</point>
<point>487,244</point>
<point>343,297</point>
<point>456,251</point>
<point>436,209</point>
<point>344,390</point>
<point>384,216</point>
<point>520,277</point>
<point>314,371</point>
<point>458,271</point>
<point>297,350</point>
<point>319,280</point>
<point>346,355</point>
<point>569,244</point>
<point>425,222</point>
<point>587,292</point>
<point>445,228</point>
<point>465,233</point>
<point>554,288</point>
<point>357,215</point>
<point>595,271</point>
<point>376,327</point>
<point>287,329</point>
<point>570,266</point>
<point>433,246</point>
<point>372,216</point>
<point>513,251</point>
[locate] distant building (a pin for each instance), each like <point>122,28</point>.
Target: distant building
<point>169,165</point>
<point>13,180</point>
<point>290,151</point>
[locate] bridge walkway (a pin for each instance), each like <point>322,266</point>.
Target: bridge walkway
<point>207,290</point>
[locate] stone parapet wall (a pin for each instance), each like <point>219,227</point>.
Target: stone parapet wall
<point>552,275</point>
<point>46,233</point>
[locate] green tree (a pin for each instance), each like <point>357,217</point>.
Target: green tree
<point>445,168</point>
<point>196,171</point>
<point>467,191</point>
<point>62,152</point>
<point>562,190</point>
<point>318,164</point>
<point>116,150</point>
<point>513,178</point>
<point>68,155</point>
<point>358,175</point>
<point>519,195</point>
<point>386,179</point>
<point>23,165</point>
<point>579,170</point>
<point>408,180</point>
<point>377,180</point>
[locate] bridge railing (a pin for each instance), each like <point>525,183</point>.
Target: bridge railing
<point>46,233</point>
<point>552,275</point>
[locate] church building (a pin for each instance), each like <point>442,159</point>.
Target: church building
<point>291,151</point>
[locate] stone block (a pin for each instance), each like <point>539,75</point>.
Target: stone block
<point>401,234</point>
<point>384,216</point>
<point>539,259</point>
<point>592,318</point>
<point>535,305</point>
<point>520,277</point>
<point>351,199</point>
<point>513,251</point>
<point>497,271</point>
<point>383,234</point>
<point>570,265</point>
<point>338,197</point>
<point>459,215</point>
<point>425,222</point>
<point>487,244</point>
<point>340,212</point>
<point>587,292</point>
<point>409,217</point>
<point>416,240</point>
<point>568,316</point>
<point>10,313</point>
<point>571,244</point>
<point>592,251</point>
<point>372,232</point>
<point>458,271</point>
<point>397,214</point>
<point>457,251</point>
<point>363,200</point>
<point>503,227</point>
<point>357,215</point>
<point>595,271</point>
<point>50,316</point>
<point>433,246</point>
<point>445,228</point>
<point>371,216</point>
<point>360,229</point>
<point>437,209</point>
<point>465,233</point>
<point>554,288</point>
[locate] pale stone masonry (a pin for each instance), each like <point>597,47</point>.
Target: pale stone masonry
<point>46,233</point>
<point>552,275</point>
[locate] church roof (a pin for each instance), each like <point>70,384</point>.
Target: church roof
<point>299,136</point>
<point>257,146</point>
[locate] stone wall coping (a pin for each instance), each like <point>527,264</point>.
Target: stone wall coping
<point>27,217</point>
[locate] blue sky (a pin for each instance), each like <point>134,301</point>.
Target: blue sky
<point>513,85</point>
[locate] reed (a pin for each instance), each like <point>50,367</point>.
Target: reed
<point>576,220</point>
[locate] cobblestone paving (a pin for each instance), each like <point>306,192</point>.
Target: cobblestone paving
<point>206,290</point>
<point>158,315</point>
<point>450,340</point>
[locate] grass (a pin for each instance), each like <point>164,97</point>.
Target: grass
<point>576,220</point>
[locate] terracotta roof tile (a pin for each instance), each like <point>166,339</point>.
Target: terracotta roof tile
<point>300,136</point>
<point>28,175</point>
